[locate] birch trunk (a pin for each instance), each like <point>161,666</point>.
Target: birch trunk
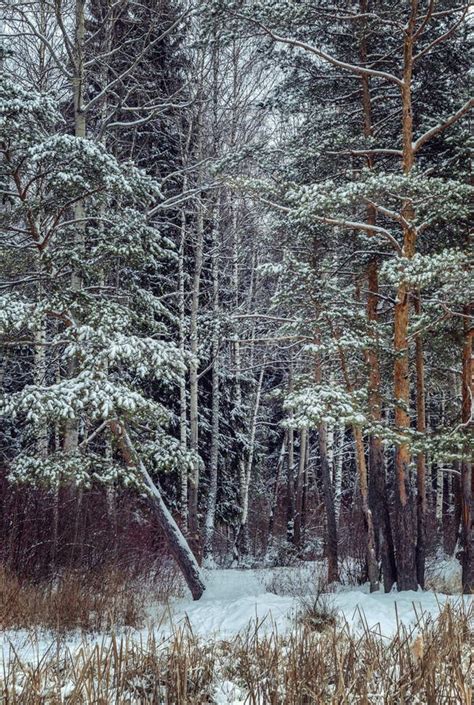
<point>242,542</point>
<point>215,438</point>
<point>42,440</point>
<point>338,472</point>
<point>331,447</point>
<point>440,476</point>
<point>71,436</point>
<point>183,428</point>
<point>332,548</point>
<point>454,531</point>
<point>328,493</point>
<point>193,379</point>
<point>290,470</point>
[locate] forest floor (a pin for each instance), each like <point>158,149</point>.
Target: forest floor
<point>272,600</point>
<point>214,650</point>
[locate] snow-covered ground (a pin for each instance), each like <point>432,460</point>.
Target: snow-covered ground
<point>236,600</point>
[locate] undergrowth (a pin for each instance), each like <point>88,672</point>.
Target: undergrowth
<point>430,664</point>
<point>74,600</point>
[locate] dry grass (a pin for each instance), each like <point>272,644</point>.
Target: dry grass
<point>96,601</point>
<point>317,612</point>
<point>432,666</point>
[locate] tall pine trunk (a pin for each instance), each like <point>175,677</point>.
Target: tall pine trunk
<point>405,509</point>
<point>328,493</point>
<point>378,491</point>
<point>378,499</point>
<point>467,504</point>
<point>420,458</point>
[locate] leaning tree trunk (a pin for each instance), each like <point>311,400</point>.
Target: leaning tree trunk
<point>242,539</point>
<point>274,502</point>
<point>177,543</point>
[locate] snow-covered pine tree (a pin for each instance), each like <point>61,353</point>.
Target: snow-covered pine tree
<point>110,327</point>
<point>322,53</point>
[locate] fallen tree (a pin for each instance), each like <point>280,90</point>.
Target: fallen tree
<point>177,543</point>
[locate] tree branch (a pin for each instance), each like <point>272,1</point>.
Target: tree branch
<point>439,128</point>
<point>351,68</point>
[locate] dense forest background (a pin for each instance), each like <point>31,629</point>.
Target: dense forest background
<point>236,286</point>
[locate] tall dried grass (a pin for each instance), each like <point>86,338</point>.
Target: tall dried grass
<point>93,601</point>
<point>432,666</point>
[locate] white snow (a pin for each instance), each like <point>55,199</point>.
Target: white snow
<point>236,600</point>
